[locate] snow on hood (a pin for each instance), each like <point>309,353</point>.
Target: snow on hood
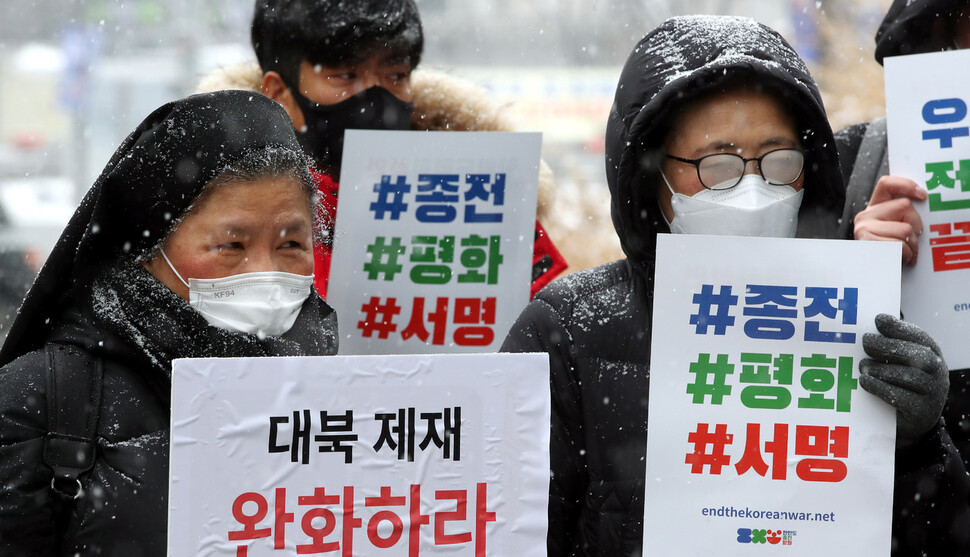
<point>685,57</point>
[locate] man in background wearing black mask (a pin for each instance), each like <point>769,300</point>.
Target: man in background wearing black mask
<point>337,65</point>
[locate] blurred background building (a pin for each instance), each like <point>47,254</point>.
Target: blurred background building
<point>76,75</point>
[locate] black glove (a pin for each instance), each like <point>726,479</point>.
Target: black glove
<point>907,371</point>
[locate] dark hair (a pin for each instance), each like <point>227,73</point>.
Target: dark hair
<point>285,33</point>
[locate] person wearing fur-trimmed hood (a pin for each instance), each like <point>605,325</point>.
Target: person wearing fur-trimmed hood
<point>348,65</point>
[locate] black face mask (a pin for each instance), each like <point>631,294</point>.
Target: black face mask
<point>373,109</point>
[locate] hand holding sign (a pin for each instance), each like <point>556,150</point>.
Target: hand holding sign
<point>907,371</point>
<point>890,215</point>
<point>754,376</point>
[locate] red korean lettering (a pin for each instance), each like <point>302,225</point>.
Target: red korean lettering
<point>249,521</point>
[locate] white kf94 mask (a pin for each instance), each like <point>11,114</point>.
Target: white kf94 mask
<point>262,304</point>
<point>751,208</point>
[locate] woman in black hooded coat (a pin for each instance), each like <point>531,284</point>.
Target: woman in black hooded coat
<point>97,305</point>
<point>596,325</point>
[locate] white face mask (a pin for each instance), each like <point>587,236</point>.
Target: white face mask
<point>263,304</point>
<point>751,208</point>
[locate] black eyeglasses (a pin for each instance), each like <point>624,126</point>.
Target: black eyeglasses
<point>723,171</point>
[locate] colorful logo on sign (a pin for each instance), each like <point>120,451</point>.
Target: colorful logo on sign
<point>768,536</point>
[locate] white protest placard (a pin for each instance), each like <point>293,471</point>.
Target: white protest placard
<point>929,142</point>
<point>759,434</point>
<point>433,246</point>
<point>360,455</point>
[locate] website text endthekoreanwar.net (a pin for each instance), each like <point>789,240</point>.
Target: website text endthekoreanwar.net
<point>731,512</point>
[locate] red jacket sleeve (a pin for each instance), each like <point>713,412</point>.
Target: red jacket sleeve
<point>547,262</point>
<point>326,216</point>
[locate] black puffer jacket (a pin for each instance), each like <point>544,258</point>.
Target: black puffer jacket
<point>135,326</point>
<point>596,325</point>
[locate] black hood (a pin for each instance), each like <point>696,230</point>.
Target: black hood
<point>906,29</point>
<point>147,186</point>
<point>686,57</point>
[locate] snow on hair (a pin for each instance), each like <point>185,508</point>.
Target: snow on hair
<point>270,161</point>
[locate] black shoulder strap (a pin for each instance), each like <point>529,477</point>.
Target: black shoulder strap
<point>74,381</point>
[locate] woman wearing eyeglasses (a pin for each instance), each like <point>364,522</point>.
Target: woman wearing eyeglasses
<point>717,127</point>
<point>738,167</point>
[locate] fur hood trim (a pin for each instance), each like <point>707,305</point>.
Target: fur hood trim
<point>441,102</point>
